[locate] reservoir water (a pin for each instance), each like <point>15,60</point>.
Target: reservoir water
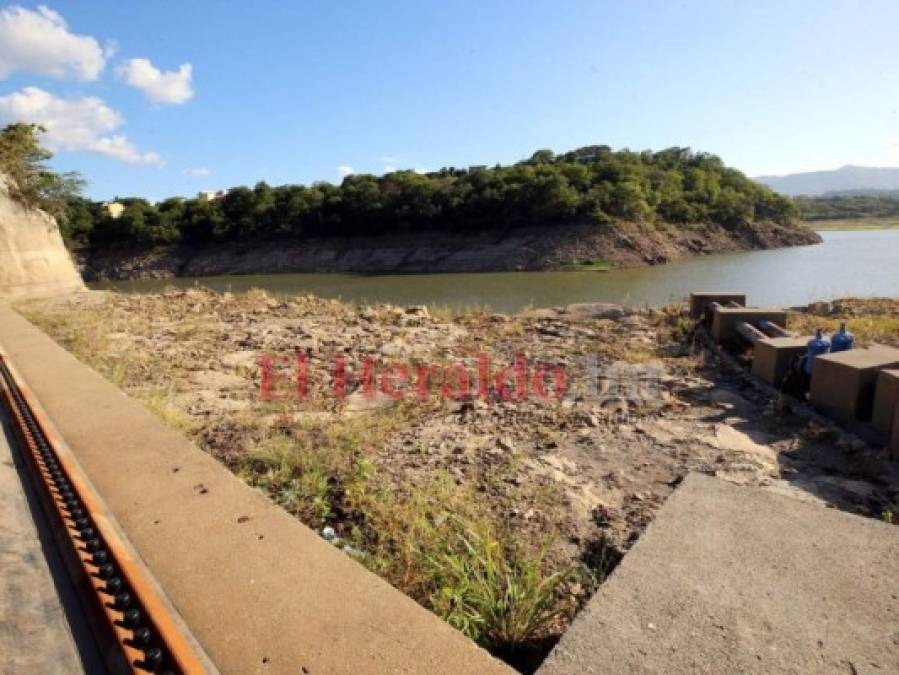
<point>862,263</point>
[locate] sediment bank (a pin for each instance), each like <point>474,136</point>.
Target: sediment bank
<point>620,245</point>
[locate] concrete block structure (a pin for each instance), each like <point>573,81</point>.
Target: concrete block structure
<point>726,319</point>
<point>843,383</point>
<point>886,395</point>
<point>700,300</point>
<point>772,357</point>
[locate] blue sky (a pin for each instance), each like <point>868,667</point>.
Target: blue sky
<point>290,92</point>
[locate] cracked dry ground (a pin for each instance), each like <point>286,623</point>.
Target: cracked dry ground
<point>584,470</point>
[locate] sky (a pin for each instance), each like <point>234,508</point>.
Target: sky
<point>157,99</point>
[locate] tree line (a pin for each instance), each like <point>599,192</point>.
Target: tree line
<point>850,206</point>
<point>592,185</point>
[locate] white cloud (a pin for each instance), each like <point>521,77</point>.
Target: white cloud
<point>343,170</point>
<point>85,124</point>
<point>198,172</point>
<point>40,42</point>
<point>171,87</point>
<point>389,168</point>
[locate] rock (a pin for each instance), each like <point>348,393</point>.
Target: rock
<point>506,444</point>
<point>418,310</point>
<point>594,310</point>
<point>359,402</point>
<point>539,313</point>
<point>394,348</point>
<point>34,261</point>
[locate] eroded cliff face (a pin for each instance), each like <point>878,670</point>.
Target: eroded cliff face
<point>34,262</point>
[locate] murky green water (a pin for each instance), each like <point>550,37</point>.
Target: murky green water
<point>857,263</point>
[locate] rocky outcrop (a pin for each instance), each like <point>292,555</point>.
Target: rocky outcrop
<point>34,262</point>
<point>621,245</point>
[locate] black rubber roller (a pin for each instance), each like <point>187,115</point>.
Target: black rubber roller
<point>106,571</point>
<point>132,618</point>
<point>122,600</point>
<point>142,636</point>
<point>153,658</point>
<point>114,585</point>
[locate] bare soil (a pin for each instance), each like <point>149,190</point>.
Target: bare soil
<point>578,477</point>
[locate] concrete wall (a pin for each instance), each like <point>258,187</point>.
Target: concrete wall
<point>34,261</point>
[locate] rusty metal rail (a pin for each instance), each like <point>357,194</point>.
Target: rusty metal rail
<point>140,631</point>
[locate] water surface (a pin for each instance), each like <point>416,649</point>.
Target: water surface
<point>862,263</point>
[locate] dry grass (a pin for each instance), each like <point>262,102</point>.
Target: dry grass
<point>441,543</point>
<point>870,320</point>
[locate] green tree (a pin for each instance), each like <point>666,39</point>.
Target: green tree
<point>23,160</point>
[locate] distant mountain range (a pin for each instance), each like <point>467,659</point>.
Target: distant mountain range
<point>847,180</point>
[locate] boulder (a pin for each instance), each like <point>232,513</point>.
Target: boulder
<point>594,310</point>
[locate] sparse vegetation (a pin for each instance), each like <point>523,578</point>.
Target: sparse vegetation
<point>871,320</point>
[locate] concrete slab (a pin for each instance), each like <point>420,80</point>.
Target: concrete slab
<point>734,579</point>
<point>843,383</point>
<point>772,357</point>
<point>886,395</point>
<point>35,636</point>
<point>725,320</point>
<point>702,299</point>
<point>260,591</point>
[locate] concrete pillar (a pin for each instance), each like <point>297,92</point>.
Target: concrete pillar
<point>726,319</point>
<point>894,438</point>
<point>886,395</point>
<point>701,299</point>
<point>772,357</point>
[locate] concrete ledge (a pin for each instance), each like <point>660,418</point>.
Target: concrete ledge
<point>261,592</point>
<point>725,320</point>
<point>702,299</point>
<point>734,579</point>
<point>843,383</point>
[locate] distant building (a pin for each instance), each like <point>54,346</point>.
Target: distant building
<point>113,209</point>
<point>210,195</point>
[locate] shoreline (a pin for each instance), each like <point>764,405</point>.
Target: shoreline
<point>536,249</point>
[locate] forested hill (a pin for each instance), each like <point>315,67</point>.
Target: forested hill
<point>592,185</point>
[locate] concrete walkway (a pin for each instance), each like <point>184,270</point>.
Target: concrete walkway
<point>34,633</point>
<point>734,579</point>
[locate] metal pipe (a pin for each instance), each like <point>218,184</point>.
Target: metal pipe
<point>772,329</point>
<point>749,332</point>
